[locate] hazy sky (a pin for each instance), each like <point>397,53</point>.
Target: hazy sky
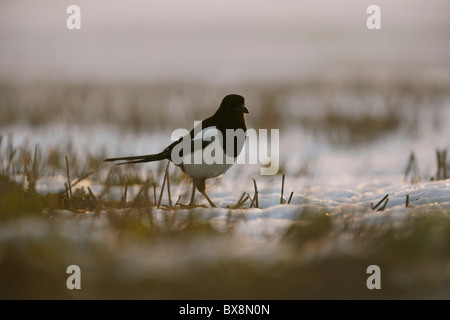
<point>222,41</point>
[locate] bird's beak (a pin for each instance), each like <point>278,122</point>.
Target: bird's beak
<point>244,109</point>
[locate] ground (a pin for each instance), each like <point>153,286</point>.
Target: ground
<point>339,160</point>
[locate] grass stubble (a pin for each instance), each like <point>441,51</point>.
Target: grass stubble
<point>142,248</point>
<point>323,254</point>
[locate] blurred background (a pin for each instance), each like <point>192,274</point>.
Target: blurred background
<point>139,69</point>
<point>353,106</point>
<point>137,64</point>
<point>223,42</point>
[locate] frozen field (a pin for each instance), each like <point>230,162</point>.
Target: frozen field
<point>363,116</point>
<point>324,239</point>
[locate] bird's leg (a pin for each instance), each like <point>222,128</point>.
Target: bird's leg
<point>191,203</point>
<point>200,184</point>
<point>207,198</point>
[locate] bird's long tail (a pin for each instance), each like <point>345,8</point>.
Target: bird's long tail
<point>138,159</point>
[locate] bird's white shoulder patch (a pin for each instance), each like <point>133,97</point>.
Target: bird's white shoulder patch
<point>207,133</point>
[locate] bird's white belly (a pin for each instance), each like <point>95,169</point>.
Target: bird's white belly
<point>208,162</point>
<point>206,170</point>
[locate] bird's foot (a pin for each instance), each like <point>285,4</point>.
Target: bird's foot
<point>190,205</point>
<point>186,206</point>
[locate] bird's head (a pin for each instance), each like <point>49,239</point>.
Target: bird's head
<point>233,104</point>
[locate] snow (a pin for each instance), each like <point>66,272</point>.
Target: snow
<point>328,177</point>
<point>339,182</point>
<point>350,176</point>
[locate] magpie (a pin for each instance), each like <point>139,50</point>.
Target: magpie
<point>229,115</point>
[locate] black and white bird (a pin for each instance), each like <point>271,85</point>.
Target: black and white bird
<point>230,115</point>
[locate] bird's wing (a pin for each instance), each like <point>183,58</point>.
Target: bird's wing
<point>199,139</point>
